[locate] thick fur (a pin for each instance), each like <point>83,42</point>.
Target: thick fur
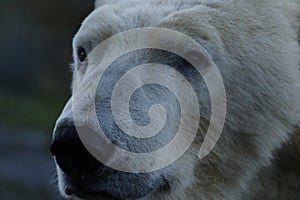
<point>255,45</point>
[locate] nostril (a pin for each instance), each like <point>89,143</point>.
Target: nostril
<point>66,141</point>
<point>70,154</point>
<point>56,148</point>
<point>67,164</point>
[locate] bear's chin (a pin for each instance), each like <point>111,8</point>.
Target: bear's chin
<point>114,185</point>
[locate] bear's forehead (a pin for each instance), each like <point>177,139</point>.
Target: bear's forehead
<point>118,16</point>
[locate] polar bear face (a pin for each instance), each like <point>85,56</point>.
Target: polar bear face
<point>249,50</point>
<point>117,183</point>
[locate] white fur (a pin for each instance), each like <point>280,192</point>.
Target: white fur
<point>255,46</point>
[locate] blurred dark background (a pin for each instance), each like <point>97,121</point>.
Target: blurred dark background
<point>35,52</point>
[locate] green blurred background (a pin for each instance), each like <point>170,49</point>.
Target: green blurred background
<point>35,52</point>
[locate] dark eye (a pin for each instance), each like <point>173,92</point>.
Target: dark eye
<point>81,53</point>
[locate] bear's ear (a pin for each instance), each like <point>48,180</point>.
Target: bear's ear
<point>99,3</point>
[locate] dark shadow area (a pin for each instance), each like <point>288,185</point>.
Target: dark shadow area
<point>35,52</point>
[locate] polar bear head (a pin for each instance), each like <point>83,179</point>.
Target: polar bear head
<point>130,99</point>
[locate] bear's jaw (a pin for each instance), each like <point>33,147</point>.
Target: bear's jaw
<point>78,194</point>
<point>112,185</point>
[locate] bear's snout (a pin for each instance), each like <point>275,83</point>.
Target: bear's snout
<point>71,155</point>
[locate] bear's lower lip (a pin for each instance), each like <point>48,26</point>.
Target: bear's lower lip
<point>110,186</point>
<point>90,195</point>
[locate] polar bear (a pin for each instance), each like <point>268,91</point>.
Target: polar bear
<point>255,46</point>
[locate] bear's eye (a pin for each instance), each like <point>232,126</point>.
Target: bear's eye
<point>81,53</point>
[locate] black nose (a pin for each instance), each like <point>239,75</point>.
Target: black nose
<point>70,154</point>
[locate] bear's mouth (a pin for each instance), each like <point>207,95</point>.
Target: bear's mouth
<point>96,195</point>
<point>114,190</point>
<point>91,195</point>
